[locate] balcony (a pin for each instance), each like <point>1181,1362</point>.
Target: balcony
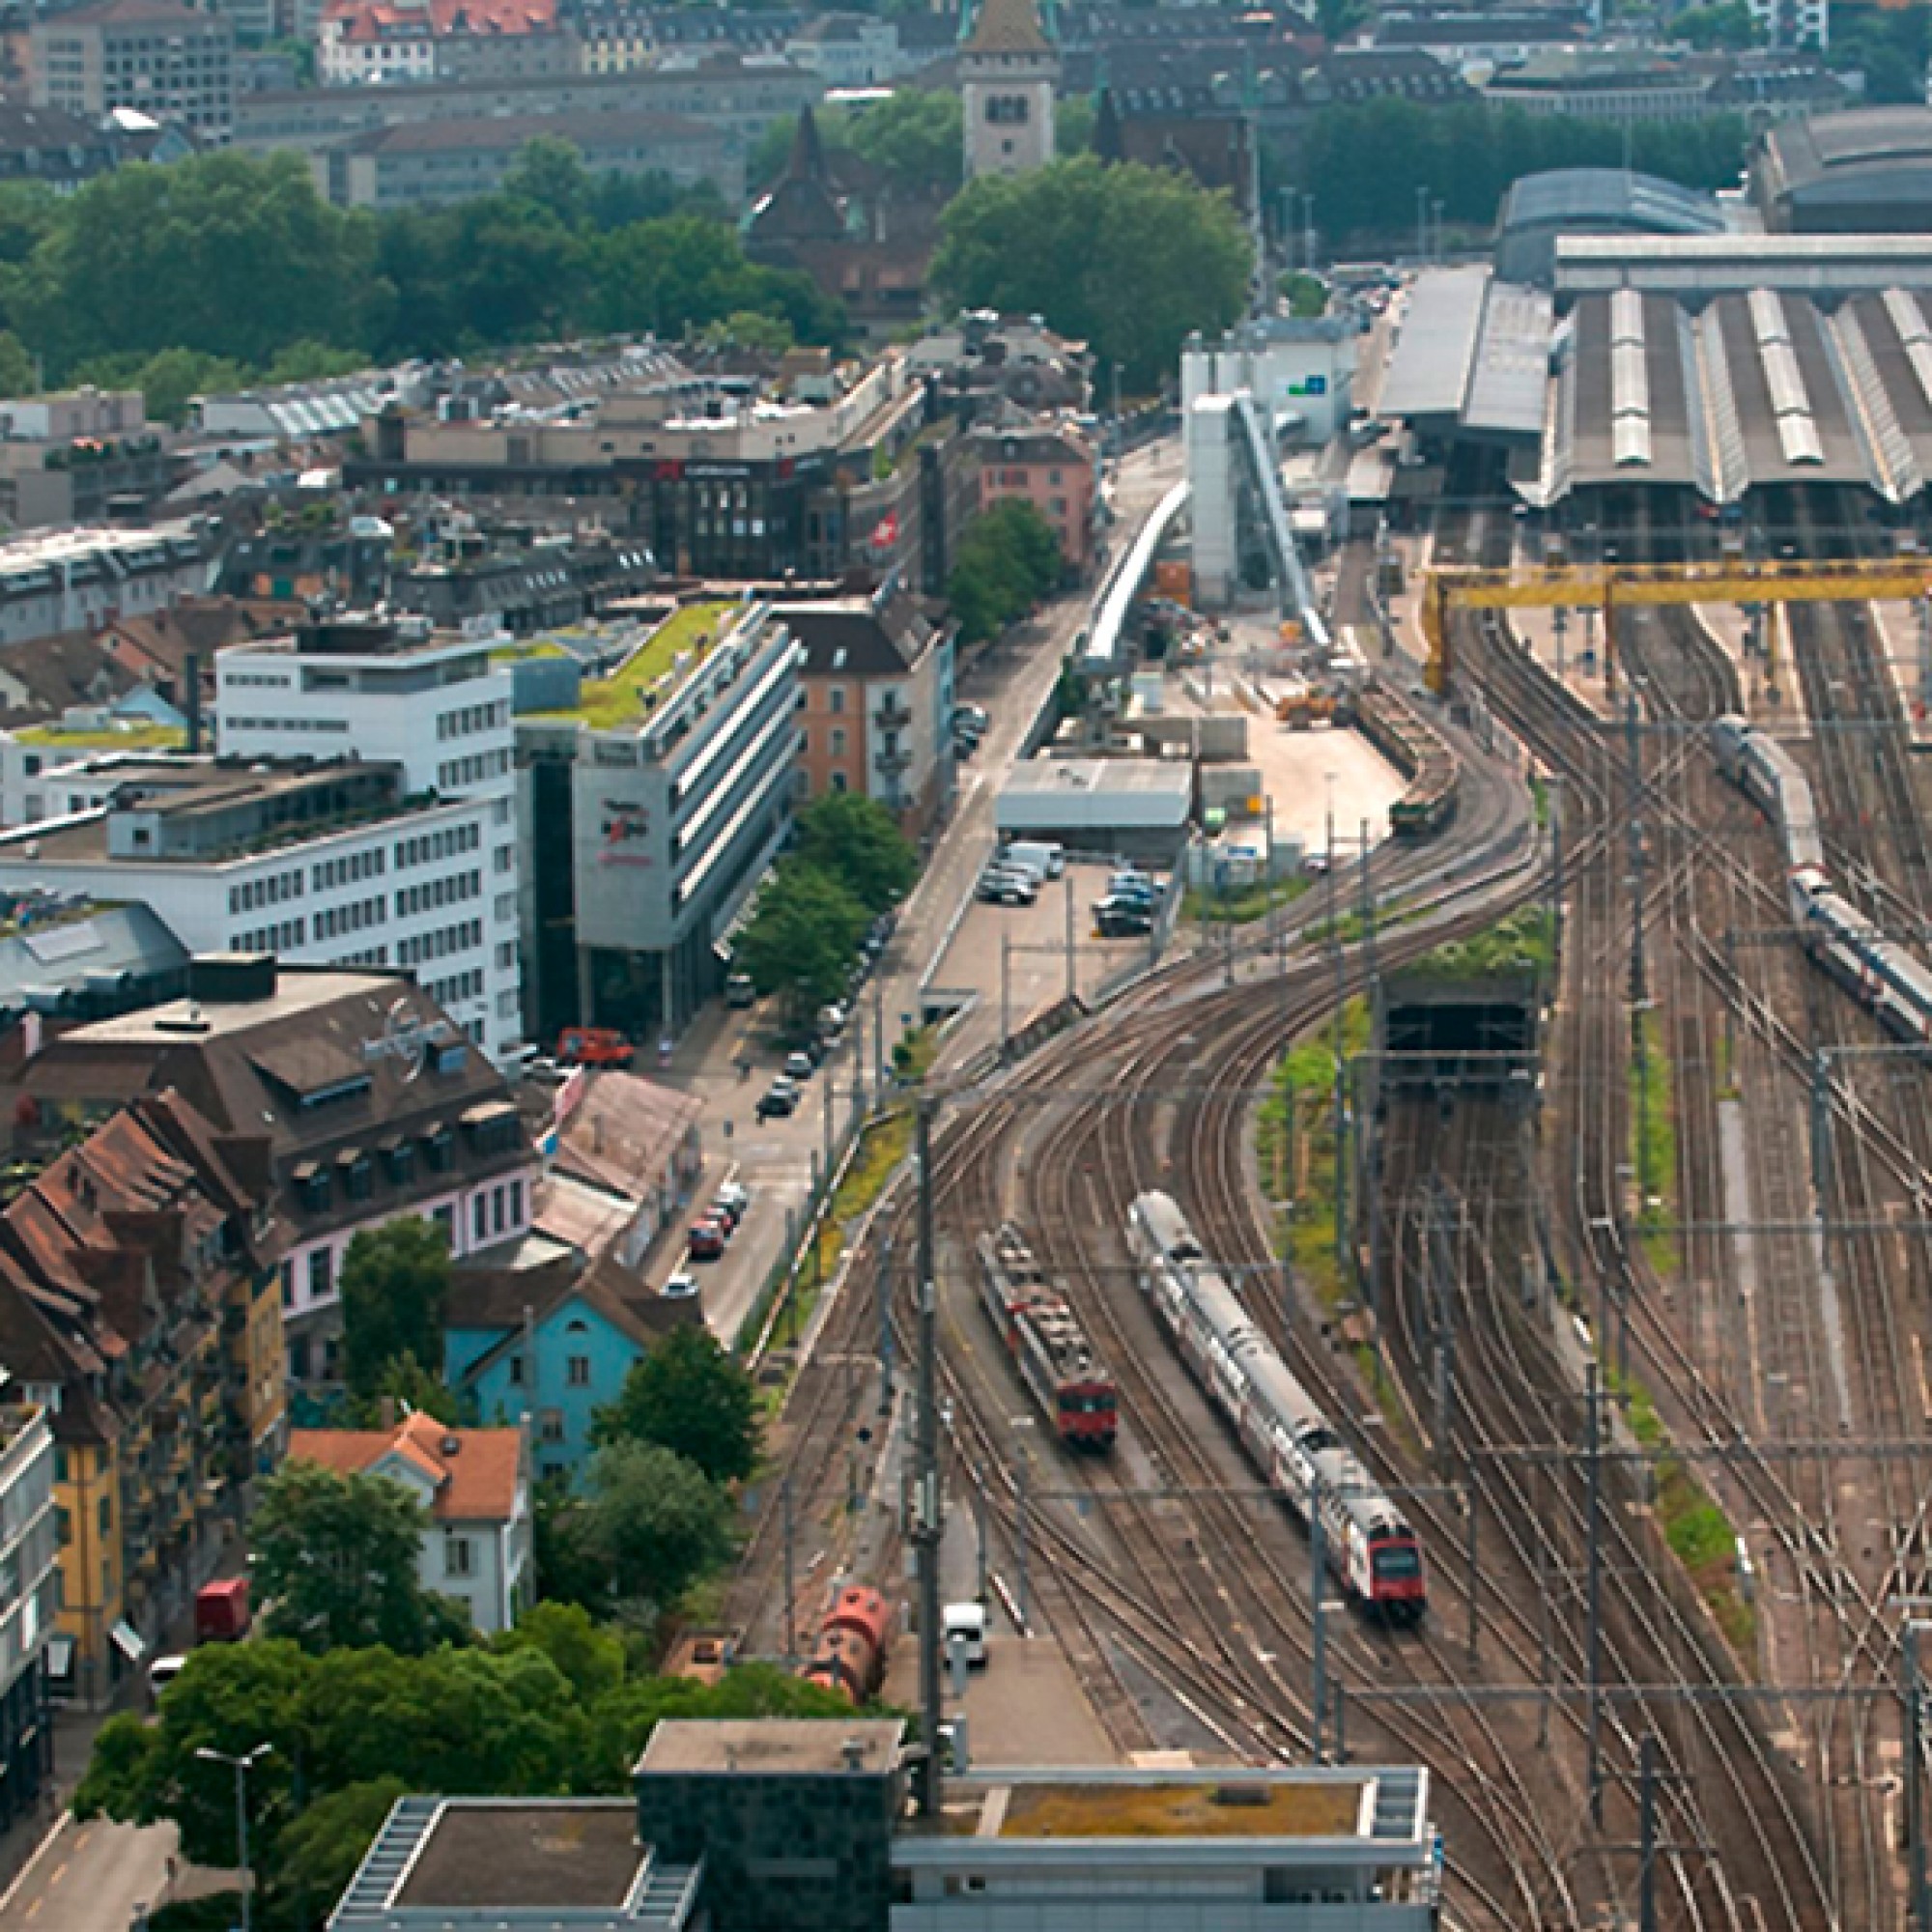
<point>893,715</point>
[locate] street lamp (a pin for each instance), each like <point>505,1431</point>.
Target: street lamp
<point>242,1767</point>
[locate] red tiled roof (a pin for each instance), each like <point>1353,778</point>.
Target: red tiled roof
<point>375,19</point>
<point>475,1481</point>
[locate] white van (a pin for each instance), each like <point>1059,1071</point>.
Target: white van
<point>1042,858</point>
<point>965,1625</point>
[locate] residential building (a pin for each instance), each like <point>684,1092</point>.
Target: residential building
<point>1007,71</point>
<point>864,242</point>
<point>48,145</point>
<point>743,1824</point>
<point>428,163</point>
<point>46,677</point>
<point>138,1296</point>
<point>876,679</point>
<point>1473,42</point>
<point>79,458</point>
<point>987,366</point>
<point>739,97</point>
<point>399,43</point>
<point>847,49</point>
<point>173,650</point>
<point>48,771</point>
<point>343,863</point>
<point>1053,469</point>
<point>1604,85</point>
<point>549,1334</point>
<point>462,574</point>
<point>650,813</point>
<point>1210,140</point>
<point>373,1105</point>
<point>476,1485</point>
<point>165,60</point>
<point>80,580</point>
<point>29,1599</point>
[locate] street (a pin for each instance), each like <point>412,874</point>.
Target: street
<point>90,1878</point>
<point>774,1159</point>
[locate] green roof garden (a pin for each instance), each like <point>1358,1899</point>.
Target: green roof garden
<point>522,653</point>
<point>609,703</point>
<point>121,735</point>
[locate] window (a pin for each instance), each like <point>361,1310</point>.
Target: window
<point>288,1284</point>
<point>63,1524</point>
<point>838,743</point>
<point>837,698</point>
<point>479,1217</point>
<point>550,1424</point>
<point>496,1211</point>
<point>517,1370</point>
<point>321,1273</point>
<point>578,1372</point>
<point>60,1464</point>
<point>456,1556</point>
<point>840,781</point>
<point>105,1516</point>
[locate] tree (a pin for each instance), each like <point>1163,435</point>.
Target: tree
<point>394,1281</point>
<point>335,1560</point>
<point>19,377</point>
<point>550,173</point>
<point>859,843</point>
<point>591,1660</point>
<point>656,1520</point>
<point>803,935</point>
<point>915,138</point>
<point>1008,560</point>
<point>1128,258</point>
<point>323,1847</point>
<point>1726,24</point>
<point>689,1396</point>
<point>1074,120</point>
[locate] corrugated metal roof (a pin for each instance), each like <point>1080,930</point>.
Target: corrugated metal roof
<point>1435,350</point>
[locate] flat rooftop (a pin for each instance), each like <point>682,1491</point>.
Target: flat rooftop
<point>1058,777</point>
<point>688,634</point>
<point>299,991</point>
<point>526,1857</point>
<point>777,1744</point>
<point>1181,1811</point>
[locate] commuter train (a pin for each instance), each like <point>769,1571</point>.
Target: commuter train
<point>1371,1549</point>
<point>1056,1361</point>
<point>1874,970</point>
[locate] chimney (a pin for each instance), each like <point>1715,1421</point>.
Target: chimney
<point>386,1412</point>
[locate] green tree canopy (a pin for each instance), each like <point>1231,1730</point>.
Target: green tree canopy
<point>654,1519</point>
<point>859,843</point>
<point>1128,258</point>
<point>689,1396</point>
<point>1008,560</point>
<point>804,934</point>
<point>394,1281</point>
<point>335,1561</point>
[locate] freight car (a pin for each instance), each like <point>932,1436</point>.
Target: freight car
<point>1371,1549</point>
<point>1060,1367</point>
<point>1420,754</point>
<point>854,1642</point>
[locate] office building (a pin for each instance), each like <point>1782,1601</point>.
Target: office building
<point>342,864</point>
<point>166,61</point>
<point>650,813</point>
<point>30,1601</point>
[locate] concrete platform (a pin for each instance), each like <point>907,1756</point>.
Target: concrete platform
<point>1025,1708</point>
<point>1728,623</point>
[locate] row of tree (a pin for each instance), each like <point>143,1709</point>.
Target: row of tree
<point>851,863</point>
<point>556,1707</point>
<point>1467,155</point>
<point>243,269</point>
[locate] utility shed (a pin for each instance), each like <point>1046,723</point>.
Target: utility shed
<point>1139,808</point>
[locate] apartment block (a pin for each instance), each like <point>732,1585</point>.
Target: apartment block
<point>169,62</point>
<point>138,1299</point>
<point>649,812</point>
<point>1055,470</point>
<point>81,579</point>
<point>29,1599</point>
<point>373,1103</point>
<point>876,679</point>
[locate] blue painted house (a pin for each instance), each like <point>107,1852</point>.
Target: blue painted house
<point>553,1343</point>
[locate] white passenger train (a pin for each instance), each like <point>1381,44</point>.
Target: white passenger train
<point>1370,1548</point>
<point>1875,970</point>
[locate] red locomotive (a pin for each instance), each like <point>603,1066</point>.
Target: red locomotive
<point>853,1643</point>
<point>1057,1362</point>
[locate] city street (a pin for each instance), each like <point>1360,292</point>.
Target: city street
<point>775,1160</point>
<point>91,1878</point>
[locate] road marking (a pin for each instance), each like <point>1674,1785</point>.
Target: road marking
<point>36,1905</point>
<point>60,1872</point>
<point>41,1851</point>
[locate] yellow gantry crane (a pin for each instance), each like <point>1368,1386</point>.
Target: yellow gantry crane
<point>1611,587</point>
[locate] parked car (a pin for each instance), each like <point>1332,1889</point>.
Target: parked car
<point>1044,858</point>
<point>735,1196</point>
<point>221,1610</point>
<point>798,1064</point>
<point>972,718</point>
<point>705,1243</point>
<point>681,1287</point>
<point>740,992</point>
<point>999,886</point>
<point>1135,892</point>
<point>1118,920</point>
<point>831,1021</point>
<point>727,1211</point>
<point>163,1671</point>
<point>779,1100</point>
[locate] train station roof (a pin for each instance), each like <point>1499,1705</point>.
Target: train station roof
<point>1472,353</point>
<point>1742,390</point>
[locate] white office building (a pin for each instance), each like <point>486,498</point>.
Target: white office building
<point>339,864</point>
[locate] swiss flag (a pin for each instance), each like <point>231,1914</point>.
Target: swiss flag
<point>886,532</point>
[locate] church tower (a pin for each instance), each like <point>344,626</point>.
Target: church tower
<point>1007,67</point>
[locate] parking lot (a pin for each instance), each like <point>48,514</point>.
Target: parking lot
<point>1010,963</point>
